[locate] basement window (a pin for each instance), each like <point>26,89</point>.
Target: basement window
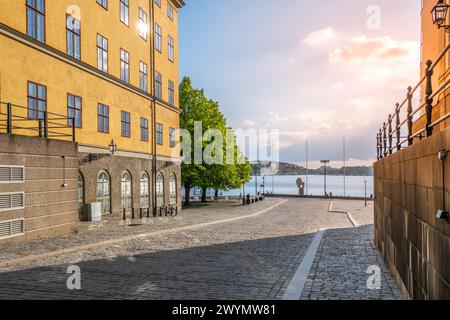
<point>12,228</point>
<point>12,201</point>
<point>12,174</point>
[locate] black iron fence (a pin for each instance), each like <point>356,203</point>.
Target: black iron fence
<point>394,127</point>
<point>15,119</point>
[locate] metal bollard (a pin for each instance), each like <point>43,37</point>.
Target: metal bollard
<point>124,214</point>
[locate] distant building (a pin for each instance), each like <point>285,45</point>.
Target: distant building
<point>111,68</point>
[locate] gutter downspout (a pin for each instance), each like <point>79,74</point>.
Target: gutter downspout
<point>153,70</point>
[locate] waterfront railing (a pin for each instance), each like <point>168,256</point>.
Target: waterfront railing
<point>390,138</point>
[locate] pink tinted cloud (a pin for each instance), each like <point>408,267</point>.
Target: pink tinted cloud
<point>363,49</point>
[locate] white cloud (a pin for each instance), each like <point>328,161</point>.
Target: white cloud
<point>270,120</point>
<point>319,37</point>
<point>362,50</point>
<point>339,86</point>
<point>380,60</point>
<point>249,123</point>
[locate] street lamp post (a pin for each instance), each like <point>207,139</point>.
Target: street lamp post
<point>325,162</point>
<point>264,186</point>
<point>365,193</point>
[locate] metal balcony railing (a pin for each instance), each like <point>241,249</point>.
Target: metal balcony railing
<point>391,130</point>
<point>14,119</point>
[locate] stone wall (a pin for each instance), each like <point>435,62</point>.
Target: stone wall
<point>409,192</point>
<point>50,185</point>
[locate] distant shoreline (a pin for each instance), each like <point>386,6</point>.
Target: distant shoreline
<point>331,175</point>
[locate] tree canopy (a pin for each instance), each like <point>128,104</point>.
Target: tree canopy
<point>215,138</point>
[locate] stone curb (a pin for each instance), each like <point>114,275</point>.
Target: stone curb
<point>349,215</point>
<point>29,259</point>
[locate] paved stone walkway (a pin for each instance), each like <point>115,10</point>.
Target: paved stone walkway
<point>341,266</point>
<point>252,258</point>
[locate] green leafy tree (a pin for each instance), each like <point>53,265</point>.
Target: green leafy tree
<point>217,175</point>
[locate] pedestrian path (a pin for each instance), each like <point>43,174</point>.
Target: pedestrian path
<point>222,251</point>
<point>348,267</point>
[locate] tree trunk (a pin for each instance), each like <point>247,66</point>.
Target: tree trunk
<point>204,195</point>
<point>187,194</point>
<point>216,194</point>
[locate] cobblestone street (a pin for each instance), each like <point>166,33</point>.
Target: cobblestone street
<point>221,251</point>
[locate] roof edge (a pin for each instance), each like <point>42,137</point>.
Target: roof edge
<point>178,3</point>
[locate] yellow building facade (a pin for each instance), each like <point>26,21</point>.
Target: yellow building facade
<point>111,66</point>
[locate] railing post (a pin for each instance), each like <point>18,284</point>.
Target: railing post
<point>410,118</point>
<point>45,125</point>
<point>378,147</point>
<point>9,128</point>
<point>390,134</point>
<point>73,130</point>
<point>429,100</point>
<point>385,139</point>
<point>380,137</point>
<point>397,125</point>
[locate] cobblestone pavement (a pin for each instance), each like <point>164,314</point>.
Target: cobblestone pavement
<point>112,228</point>
<point>341,265</point>
<point>252,258</point>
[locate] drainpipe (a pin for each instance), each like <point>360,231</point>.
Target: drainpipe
<point>152,57</point>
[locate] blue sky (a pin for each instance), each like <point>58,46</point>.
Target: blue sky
<point>312,69</point>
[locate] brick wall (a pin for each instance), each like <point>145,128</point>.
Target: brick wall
<point>50,186</point>
<point>414,243</point>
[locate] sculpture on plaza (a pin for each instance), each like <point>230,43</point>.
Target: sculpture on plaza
<point>301,187</point>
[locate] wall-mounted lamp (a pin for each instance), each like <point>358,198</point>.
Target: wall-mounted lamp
<point>439,14</point>
<point>95,156</point>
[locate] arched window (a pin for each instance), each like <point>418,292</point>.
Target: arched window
<point>103,191</point>
<point>145,194</point>
<point>126,191</point>
<point>80,193</point>
<point>159,190</point>
<point>173,189</point>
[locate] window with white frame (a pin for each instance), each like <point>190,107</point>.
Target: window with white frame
<point>103,192</point>
<point>173,189</point>
<point>171,46</point>
<point>170,11</point>
<point>159,190</point>
<point>126,194</point>
<point>145,193</point>
<point>124,11</point>
<point>158,85</point>
<point>102,53</point>
<point>171,93</point>
<point>158,38</point>
<point>143,24</point>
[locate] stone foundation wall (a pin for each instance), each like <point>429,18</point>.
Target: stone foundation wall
<point>409,192</point>
<point>50,185</point>
<point>115,166</point>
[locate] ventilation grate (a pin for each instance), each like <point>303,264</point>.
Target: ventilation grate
<point>11,228</point>
<point>11,174</point>
<point>12,201</point>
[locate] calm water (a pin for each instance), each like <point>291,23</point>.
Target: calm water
<point>287,185</point>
